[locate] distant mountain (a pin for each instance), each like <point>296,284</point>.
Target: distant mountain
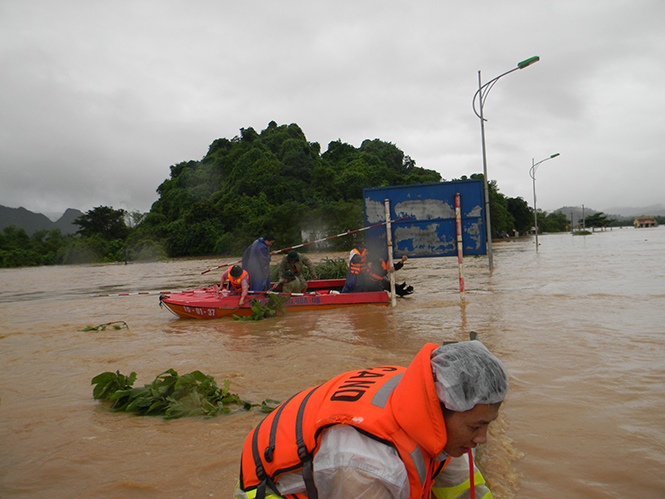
<point>654,210</point>
<point>576,213</point>
<point>32,222</point>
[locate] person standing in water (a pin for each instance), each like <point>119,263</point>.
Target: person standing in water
<point>380,433</point>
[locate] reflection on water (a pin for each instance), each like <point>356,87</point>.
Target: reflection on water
<point>579,326</point>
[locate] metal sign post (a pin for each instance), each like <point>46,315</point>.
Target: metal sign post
<point>389,243</point>
<point>460,249</point>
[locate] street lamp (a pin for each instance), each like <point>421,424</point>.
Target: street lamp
<point>532,174</point>
<point>481,94</point>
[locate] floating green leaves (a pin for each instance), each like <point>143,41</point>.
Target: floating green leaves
<point>274,304</point>
<point>171,395</point>
<point>102,327</point>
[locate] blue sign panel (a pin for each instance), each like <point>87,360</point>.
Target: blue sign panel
<point>423,219</point>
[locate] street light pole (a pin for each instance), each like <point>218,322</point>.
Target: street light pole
<point>532,174</point>
<point>481,94</point>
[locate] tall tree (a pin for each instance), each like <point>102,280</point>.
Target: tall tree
<point>522,214</point>
<point>597,220</point>
<point>103,221</point>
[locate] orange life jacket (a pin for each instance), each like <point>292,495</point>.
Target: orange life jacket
<point>395,405</point>
<point>358,266</point>
<point>375,274</point>
<point>235,282</point>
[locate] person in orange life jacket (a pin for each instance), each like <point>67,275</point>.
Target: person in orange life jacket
<point>380,433</point>
<point>238,282</point>
<point>376,276</point>
<point>357,266</point>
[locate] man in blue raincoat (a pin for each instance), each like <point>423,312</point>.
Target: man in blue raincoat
<point>256,261</point>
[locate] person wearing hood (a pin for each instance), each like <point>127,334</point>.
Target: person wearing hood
<point>381,433</point>
<point>256,261</point>
<point>357,267</point>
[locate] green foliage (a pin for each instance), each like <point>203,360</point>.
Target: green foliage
<point>597,220</point>
<point>501,219</point>
<point>273,181</point>
<point>107,384</point>
<point>522,214</point>
<point>102,327</point>
<point>514,214</point>
<point>274,304</point>
<point>170,395</point>
<point>329,268</point>
<point>335,218</point>
<point>17,249</point>
<point>553,222</point>
<point>144,247</point>
<point>103,221</point>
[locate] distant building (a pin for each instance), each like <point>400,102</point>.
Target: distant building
<point>642,222</point>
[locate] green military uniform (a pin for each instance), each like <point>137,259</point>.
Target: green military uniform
<point>291,272</point>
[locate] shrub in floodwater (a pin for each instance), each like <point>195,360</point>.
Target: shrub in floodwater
<point>171,395</point>
<point>274,304</point>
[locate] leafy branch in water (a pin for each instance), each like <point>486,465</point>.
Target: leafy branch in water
<point>274,304</point>
<point>171,395</point>
<point>102,327</point>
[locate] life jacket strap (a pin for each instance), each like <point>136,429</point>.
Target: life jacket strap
<point>304,454</point>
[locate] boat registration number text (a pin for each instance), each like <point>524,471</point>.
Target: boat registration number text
<point>203,312</point>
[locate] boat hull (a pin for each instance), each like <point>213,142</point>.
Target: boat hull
<point>208,303</point>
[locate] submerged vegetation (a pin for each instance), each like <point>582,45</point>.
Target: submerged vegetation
<point>256,183</point>
<point>102,327</point>
<point>170,395</point>
<point>274,304</point>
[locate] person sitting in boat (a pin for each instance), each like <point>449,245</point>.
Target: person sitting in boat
<point>256,261</point>
<point>381,433</point>
<point>288,282</point>
<point>293,264</point>
<point>357,267</point>
<point>236,280</point>
<point>376,276</point>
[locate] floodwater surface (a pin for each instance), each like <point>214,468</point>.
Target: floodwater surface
<point>579,325</point>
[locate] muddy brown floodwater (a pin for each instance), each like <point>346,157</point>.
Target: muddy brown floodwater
<point>580,327</point>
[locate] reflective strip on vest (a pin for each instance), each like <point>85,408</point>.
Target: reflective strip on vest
<point>419,462</point>
<point>457,491</point>
<point>381,396</point>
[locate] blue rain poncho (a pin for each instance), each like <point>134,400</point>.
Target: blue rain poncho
<point>256,261</point>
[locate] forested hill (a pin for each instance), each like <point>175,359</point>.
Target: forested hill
<point>33,222</point>
<point>271,182</point>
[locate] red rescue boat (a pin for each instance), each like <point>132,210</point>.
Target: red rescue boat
<point>209,303</point>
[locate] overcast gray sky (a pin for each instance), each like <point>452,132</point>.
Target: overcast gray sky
<point>98,99</point>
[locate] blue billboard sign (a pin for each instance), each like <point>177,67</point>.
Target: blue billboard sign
<point>424,219</point>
